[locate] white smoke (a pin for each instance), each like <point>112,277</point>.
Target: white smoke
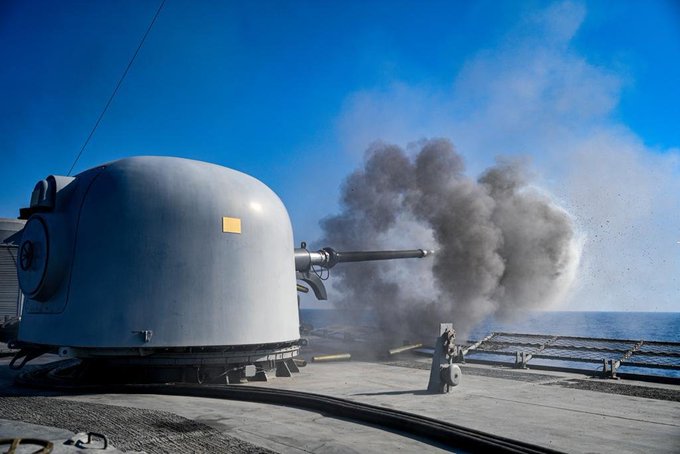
<point>500,246</point>
<point>536,96</point>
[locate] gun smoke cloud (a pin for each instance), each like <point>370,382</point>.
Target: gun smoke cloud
<point>501,245</point>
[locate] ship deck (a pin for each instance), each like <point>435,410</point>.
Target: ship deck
<point>565,411</point>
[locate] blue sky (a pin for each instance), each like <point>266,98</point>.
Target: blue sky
<point>293,92</point>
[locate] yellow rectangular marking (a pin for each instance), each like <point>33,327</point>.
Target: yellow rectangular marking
<point>231,225</point>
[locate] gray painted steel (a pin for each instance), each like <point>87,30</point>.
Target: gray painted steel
<point>8,227</point>
<point>10,295</point>
<point>133,254</point>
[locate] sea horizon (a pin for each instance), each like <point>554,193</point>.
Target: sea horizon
<point>648,325</point>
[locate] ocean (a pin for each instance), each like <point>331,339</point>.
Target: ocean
<point>649,326</point>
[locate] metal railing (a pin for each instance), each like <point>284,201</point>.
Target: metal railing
<point>576,353</point>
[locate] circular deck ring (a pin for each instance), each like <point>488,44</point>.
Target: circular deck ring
<point>428,430</point>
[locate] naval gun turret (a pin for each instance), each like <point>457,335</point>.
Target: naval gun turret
<point>152,261</point>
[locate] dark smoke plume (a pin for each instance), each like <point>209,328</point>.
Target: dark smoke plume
<point>501,246</point>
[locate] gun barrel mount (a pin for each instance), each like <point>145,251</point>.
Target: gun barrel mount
<point>327,258</point>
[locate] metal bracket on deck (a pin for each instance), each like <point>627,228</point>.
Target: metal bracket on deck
<point>282,369</point>
<point>521,360</point>
<point>609,368</point>
<point>260,375</point>
<point>464,351</point>
<point>286,368</point>
<point>26,354</point>
<point>614,364</point>
<point>443,373</point>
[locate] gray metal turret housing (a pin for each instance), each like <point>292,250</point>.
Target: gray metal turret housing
<point>156,253</point>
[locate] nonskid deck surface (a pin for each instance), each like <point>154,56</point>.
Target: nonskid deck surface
<point>546,408</point>
<point>573,412</point>
<point>434,432</point>
<point>130,428</point>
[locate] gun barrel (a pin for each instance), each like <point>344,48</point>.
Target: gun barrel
<point>367,256</point>
<point>329,257</point>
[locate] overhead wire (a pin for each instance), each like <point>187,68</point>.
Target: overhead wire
<point>120,81</point>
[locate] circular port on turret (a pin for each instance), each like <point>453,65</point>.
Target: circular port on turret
<point>33,255</point>
<point>26,255</point>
